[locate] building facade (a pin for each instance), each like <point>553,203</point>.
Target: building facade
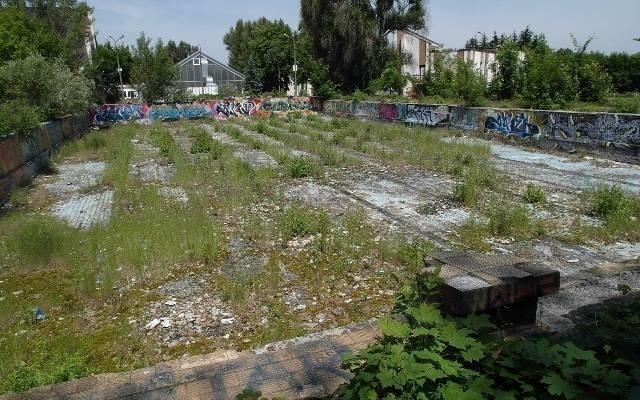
<point>201,74</point>
<point>420,50</point>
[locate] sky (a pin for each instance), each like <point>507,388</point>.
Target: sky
<point>613,24</point>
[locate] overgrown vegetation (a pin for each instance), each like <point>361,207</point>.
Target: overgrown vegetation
<point>534,194</point>
<point>425,354</point>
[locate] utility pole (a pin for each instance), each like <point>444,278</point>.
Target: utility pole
<point>115,44</point>
<point>295,64</point>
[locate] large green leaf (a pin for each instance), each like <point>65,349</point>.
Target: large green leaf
<point>393,328</point>
<point>456,337</point>
<point>558,386</point>
<point>475,352</point>
<point>426,314</point>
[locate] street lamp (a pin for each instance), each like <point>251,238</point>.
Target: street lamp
<point>295,64</point>
<point>115,44</point>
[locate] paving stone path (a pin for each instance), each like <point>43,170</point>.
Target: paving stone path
<point>83,212</point>
<point>257,158</point>
<point>79,210</point>
<point>300,368</point>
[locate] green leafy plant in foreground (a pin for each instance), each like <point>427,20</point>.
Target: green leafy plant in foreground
<point>423,354</point>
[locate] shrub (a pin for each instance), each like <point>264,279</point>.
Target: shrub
<point>17,117</point>
<point>608,201</point>
<point>412,254</point>
<point>470,86</point>
<point>534,194</point>
<point>46,85</point>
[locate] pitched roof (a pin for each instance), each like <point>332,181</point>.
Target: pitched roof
<point>419,36</point>
<point>211,60</point>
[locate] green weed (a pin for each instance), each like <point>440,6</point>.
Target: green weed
<point>300,167</point>
<point>534,194</point>
<point>296,222</point>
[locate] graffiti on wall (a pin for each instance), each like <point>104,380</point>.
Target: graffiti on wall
<point>173,112</point>
<point>420,114</point>
<point>367,109</point>
<point>510,124</point>
<point>464,118</point>
<point>109,113</point>
<point>387,112</point>
<point>285,105</point>
<point>231,108</point>
<point>336,107</point>
<point>613,128</point>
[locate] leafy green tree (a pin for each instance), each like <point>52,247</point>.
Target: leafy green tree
<point>67,18</point>
<point>350,36</point>
<point>237,41</point>
<point>469,84</point>
<point>271,49</point>
<point>624,70</point>
<point>22,36</point>
<point>507,72</point>
<point>103,71</point>
<point>154,72</point>
<point>180,51</point>
<point>263,51</point>
<point>547,81</point>
<point>51,87</point>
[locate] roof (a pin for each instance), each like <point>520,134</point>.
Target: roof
<point>422,37</point>
<point>211,60</point>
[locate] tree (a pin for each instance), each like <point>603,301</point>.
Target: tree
<point>50,87</point>
<point>548,82</point>
<point>350,35</point>
<point>263,51</point>
<point>67,19</point>
<point>180,51</point>
<point>237,42</point>
<point>507,72</point>
<point>23,36</point>
<point>103,71</point>
<point>154,72</point>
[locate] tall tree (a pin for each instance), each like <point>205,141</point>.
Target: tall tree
<point>237,41</point>
<point>263,51</point>
<point>350,35</point>
<point>103,70</point>
<point>67,18</point>
<point>153,72</point>
<point>180,51</point>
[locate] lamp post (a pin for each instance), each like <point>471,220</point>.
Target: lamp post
<point>115,44</point>
<point>295,64</point>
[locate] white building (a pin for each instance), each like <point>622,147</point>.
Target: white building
<point>482,60</point>
<point>420,49</point>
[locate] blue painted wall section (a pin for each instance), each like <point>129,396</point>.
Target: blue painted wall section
<point>547,129</point>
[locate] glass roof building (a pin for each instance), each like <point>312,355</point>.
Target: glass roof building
<point>202,74</point>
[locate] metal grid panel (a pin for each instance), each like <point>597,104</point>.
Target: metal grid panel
<point>469,262</point>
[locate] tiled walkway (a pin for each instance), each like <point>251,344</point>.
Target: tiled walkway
<point>301,368</point>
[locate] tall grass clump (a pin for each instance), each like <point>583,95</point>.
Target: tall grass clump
<point>619,212</point>
<point>297,222</point>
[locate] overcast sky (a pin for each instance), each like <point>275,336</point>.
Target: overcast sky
<point>204,22</point>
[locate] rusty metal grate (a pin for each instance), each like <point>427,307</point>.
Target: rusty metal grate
<point>470,262</point>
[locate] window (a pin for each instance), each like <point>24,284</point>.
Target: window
<point>422,70</point>
<point>196,61</point>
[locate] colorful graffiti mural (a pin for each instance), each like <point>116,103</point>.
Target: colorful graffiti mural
<point>420,114</point>
<point>511,124</point>
<point>546,129</point>
<point>108,114</point>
